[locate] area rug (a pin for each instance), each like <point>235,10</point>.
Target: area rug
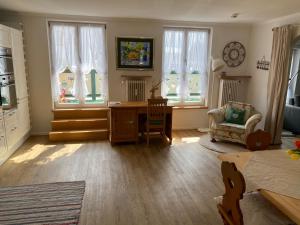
<point>220,146</point>
<point>51,203</point>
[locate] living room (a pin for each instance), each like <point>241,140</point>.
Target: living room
<point>158,182</point>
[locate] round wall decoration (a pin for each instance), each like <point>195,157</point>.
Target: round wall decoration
<point>234,54</point>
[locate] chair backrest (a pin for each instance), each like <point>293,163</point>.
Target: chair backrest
<point>156,111</point>
<point>234,189</point>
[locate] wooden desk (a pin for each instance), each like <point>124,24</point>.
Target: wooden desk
<point>289,206</point>
<point>126,120</point>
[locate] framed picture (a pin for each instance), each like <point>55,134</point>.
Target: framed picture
<point>134,53</point>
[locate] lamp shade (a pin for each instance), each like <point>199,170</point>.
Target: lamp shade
<point>217,64</point>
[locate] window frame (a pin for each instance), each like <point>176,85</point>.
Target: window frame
<point>81,104</point>
<point>184,76</point>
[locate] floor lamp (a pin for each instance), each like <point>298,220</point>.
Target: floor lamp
<point>216,65</point>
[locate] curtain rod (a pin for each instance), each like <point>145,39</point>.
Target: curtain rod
<point>293,25</point>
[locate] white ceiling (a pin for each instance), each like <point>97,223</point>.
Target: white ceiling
<point>187,10</point>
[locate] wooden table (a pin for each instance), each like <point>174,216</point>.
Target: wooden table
<point>126,120</point>
<point>288,205</point>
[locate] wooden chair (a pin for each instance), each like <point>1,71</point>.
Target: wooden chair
<point>156,117</point>
<point>253,209</point>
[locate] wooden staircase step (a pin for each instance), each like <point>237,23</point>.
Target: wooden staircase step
<point>79,135</point>
<point>80,113</point>
<point>79,124</point>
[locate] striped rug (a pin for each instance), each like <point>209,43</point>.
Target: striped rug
<point>47,204</point>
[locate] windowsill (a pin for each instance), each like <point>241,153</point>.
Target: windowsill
<point>190,107</point>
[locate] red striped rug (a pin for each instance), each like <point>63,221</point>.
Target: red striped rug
<point>47,204</point>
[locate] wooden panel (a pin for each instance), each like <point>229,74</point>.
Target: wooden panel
<point>123,125</point>
<point>80,113</point>
<point>81,135</point>
<point>79,124</point>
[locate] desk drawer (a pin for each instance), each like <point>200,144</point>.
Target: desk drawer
<point>124,124</point>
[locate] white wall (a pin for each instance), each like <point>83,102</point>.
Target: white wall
<point>261,45</point>
<point>35,30</point>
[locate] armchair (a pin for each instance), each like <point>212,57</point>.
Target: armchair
<point>220,129</point>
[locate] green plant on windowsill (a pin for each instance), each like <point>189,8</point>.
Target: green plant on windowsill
<point>195,72</point>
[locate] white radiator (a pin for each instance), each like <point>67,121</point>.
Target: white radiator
<point>135,90</point>
<point>229,91</point>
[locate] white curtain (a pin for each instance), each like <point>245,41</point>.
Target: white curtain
<point>185,51</point>
<point>64,53</point>
<point>173,55</point>
<point>197,57</point>
<point>81,48</point>
<point>93,52</point>
<point>278,81</point>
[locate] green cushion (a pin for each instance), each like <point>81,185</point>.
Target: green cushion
<point>234,115</point>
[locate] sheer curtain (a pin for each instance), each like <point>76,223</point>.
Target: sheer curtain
<point>173,56</point>
<point>81,48</point>
<point>64,54</point>
<point>93,53</point>
<point>278,81</point>
<point>185,52</point>
<point>197,57</point>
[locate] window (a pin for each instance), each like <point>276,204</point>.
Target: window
<point>79,69</point>
<point>294,80</point>
<point>185,63</point>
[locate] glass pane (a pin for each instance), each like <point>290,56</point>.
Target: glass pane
<point>196,69</point>
<point>173,63</point>
<point>67,88</point>
<point>173,87</point>
<point>94,84</point>
<point>194,88</point>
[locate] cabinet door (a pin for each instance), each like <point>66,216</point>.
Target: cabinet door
<point>19,64</point>
<point>124,124</point>
<point>11,136</point>
<point>3,149</point>
<point>11,128</point>
<point>23,117</point>
<point>5,36</point>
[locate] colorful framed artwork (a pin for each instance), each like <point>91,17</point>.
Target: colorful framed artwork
<point>134,53</point>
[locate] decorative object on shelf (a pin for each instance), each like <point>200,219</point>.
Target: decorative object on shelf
<point>234,54</point>
<point>295,153</point>
<point>154,88</point>
<point>134,53</point>
<point>263,64</point>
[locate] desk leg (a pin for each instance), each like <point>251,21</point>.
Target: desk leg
<point>169,127</point>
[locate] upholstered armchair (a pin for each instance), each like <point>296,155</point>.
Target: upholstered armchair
<point>220,129</point>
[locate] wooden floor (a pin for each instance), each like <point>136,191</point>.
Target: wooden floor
<point>127,184</point>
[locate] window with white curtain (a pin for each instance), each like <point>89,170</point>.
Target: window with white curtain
<point>185,65</point>
<point>79,65</point>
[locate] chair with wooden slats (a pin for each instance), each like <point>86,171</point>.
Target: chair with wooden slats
<point>156,117</point>
<point>237,208</point>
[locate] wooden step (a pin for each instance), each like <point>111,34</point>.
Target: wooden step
<point>79,135</point>
<point>79,124</point>
<point>80,113</point>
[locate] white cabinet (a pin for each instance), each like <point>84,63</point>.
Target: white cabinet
<point>5,36</point>
<point>23,118</point>
<point>19,64</point>
<point>14,123</point>
<point>2,136</point>
<point>11,128</point>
